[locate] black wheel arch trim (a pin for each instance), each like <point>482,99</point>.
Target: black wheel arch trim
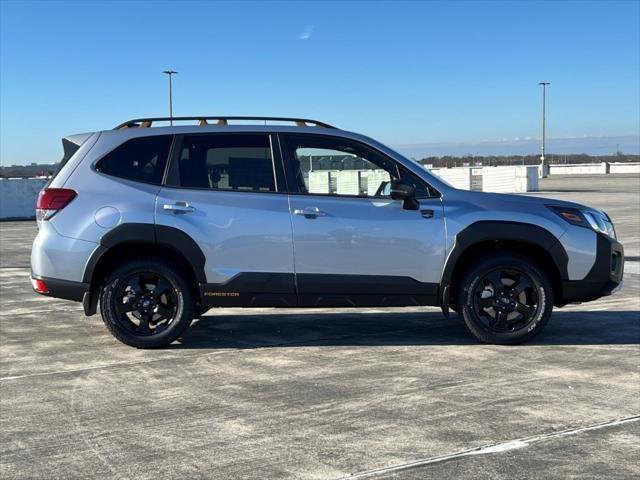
<point>162,235</point>
<point>496,230</point>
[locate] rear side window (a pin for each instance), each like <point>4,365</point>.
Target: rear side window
<point>227,162</point>
<point>142,159</point>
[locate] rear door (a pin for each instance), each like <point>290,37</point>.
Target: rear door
<point>226,192</point>
<point>353,244</point>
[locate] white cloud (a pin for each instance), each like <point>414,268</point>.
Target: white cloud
<point>306,33</point>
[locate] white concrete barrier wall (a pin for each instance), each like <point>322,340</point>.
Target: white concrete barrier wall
<point>503,179</point>
<point>375,179</point>
<point>499,179</point>
<point>510,179</point>
<point>624,168</point>
<point>319,181</point>
<point>18,196</point>
<point>458,177</point>
<point>348,182</point>
<point>531,174</point>
<point>578,169</point>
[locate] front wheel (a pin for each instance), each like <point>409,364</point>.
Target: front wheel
<point>505,299</point>
<point>147,303</point>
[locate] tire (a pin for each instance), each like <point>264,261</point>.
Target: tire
<point>147,303</point>
<point>505,299</point>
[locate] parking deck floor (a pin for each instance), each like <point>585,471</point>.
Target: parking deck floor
<point>324,394</point>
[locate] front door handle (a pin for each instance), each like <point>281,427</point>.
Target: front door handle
<point>178,207</point>
<point>426,213</point>
<point>310,212</point>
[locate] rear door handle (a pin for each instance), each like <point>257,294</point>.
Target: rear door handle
<point>178,207</point>
<point>310,212</point>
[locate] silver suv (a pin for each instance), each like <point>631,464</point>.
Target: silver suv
<point>158,224</point>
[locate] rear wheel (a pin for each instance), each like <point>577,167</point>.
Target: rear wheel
<point>147,303</point>
<point>505,299</point>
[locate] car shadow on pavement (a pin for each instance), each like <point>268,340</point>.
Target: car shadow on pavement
<point>252,330</point>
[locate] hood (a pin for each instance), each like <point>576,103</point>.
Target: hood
<point>482,198</point>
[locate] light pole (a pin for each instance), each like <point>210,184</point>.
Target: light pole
<point>543,173</point>
<point>170,73</point>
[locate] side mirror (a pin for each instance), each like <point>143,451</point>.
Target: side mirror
<point>407,193</point>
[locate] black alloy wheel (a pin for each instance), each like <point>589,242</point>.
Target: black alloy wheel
<point>504,298</point>
<point>147,303</point>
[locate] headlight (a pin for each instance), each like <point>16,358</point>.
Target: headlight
<point>587,218</point>
<point>600,222</point>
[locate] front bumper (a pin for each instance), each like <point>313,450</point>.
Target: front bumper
<point>604,278</point>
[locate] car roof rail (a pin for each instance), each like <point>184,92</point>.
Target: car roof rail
<point>220,120</point>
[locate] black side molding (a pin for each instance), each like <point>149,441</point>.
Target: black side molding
<point>327,290</point>
<point>310,283</point>
<point>257,289</point>
<point>251,289</point>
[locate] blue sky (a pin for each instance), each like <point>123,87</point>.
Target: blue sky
<point>403,72</point>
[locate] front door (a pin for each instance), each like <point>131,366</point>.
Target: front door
<point>222,191</point>
<point>353,244</point>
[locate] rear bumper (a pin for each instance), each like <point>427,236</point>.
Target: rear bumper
<point>64,289</point>
<point>604,278</point>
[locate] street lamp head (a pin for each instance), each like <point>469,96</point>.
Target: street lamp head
<point>544,83</point>
<point>169,72</point>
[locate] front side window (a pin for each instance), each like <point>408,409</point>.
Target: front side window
<point>226,162</point>
<point>142,159</point>
<point>335,166</point>
<point>422,190</point>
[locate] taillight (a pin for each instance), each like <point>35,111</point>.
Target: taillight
<point>52,200</point>
<point>39,286</point>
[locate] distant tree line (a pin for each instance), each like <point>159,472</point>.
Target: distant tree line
<point>495,160</point>
<point>26,171</point>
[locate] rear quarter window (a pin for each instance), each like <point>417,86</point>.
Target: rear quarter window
<point>142,159</point>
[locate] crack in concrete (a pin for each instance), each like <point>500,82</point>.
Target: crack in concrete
<point>100,367</point>
<point>490,448</point>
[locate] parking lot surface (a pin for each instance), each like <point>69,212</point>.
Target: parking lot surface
<point>324,394</point>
